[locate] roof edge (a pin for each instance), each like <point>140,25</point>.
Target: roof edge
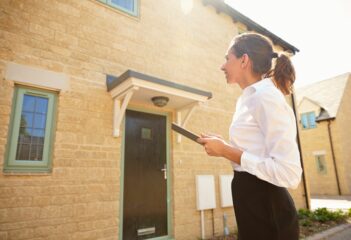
<point>221,6</point>
<point>325,119</point>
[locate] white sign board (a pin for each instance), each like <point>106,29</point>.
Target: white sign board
<point>225,182</point>
<point>205,192</point>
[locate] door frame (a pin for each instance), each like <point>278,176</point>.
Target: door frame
<point>169,176</point>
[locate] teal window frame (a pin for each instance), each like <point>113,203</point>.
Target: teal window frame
<point>11,163</point>
<point>308,120</point>
<point>321,164</point>
<point>135,11</point>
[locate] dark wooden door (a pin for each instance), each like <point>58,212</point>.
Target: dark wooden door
<point>145,184</point>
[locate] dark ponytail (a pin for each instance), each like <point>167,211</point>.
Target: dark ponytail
<point>284,73</point>
<point>260,50</point>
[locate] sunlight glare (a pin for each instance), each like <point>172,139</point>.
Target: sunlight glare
<point>186,5</point>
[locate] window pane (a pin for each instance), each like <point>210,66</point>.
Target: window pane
<point>27,119</point>
<point>26,131</point>
<point>36,152</point>
<point>321,164</point>
<point>40,152</point>
<point>25,135</point>
<point>28,103</point>
<point>41,105</point>
<point>304,121</point>
<point>33,152</point>
<point>127,4</point>
<point>32,128</point>
<point>38,136</point>
<point>312,120</point>
<point>22,152</point>
<point>39,121</point>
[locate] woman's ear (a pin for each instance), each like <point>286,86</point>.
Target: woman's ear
<point>244,60</point>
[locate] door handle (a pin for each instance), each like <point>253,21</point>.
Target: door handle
<point>164,170</point>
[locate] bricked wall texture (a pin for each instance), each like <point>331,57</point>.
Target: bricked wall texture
<point>86,40</point>
<point>341,132</point>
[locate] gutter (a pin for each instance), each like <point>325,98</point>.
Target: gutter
<point>333,156</point>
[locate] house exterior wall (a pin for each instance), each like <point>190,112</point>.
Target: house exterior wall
<point>314,141</point>
<point>85,40</point>
<point>341,131</point>
<point>306,106</point>
<point>318,139</point>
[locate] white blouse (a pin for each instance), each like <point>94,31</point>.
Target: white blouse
<point>264,128</point>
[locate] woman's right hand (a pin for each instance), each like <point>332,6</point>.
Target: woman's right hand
<point>208,135</point>
<point>213,144</point>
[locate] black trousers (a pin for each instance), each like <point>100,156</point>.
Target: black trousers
<point>263,210</point>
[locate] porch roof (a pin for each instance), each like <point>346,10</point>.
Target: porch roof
<point>140,88</point>
<point>179,95</point>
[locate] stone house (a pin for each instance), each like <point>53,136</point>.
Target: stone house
<point>78,127</point>
<point>324,117</point>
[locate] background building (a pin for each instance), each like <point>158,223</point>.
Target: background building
<point>324,116</point>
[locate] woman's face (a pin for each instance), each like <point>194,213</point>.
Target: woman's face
<point>232,68</point>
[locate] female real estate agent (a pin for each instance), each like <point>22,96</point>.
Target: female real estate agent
<point>262,148</point>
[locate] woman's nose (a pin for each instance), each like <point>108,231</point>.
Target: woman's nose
<point>222,67</point>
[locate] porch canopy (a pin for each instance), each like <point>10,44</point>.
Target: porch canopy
<point>141,88</point>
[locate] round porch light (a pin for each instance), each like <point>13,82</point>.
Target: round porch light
<point>160,101</point>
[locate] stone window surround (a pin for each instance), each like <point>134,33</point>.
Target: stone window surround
<point>320,153</point>
<point>37,77</point>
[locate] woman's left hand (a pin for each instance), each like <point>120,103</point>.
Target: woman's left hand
<point>214,145</point>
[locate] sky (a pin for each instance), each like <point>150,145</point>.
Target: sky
<point>320,29</point>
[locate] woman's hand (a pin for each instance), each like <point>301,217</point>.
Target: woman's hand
<point>208,135</point>
<point>213,144</point>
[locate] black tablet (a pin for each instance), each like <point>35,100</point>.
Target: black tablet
<point>185,132</point>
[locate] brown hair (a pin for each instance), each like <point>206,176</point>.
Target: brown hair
<point>260,51</point>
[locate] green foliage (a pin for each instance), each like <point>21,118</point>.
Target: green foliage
<point>321,215</point>
<point>304,213</point>
<point>306,222</point>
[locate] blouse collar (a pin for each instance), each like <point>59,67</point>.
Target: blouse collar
<point>261,84</point>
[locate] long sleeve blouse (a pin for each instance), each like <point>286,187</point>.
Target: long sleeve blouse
<point>264,128</point>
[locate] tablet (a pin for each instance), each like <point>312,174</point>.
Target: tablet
<point>185,132</point>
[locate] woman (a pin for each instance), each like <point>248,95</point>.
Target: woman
<point>262,147</point>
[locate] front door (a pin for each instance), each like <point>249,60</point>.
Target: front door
<point>145,184</point>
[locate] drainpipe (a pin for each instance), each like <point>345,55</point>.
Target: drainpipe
<point>307,196</point>
<point>333,156</point>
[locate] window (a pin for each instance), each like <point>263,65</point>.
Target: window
<point>128,6</point>
<point>31,131</point>
<point>321,165</point>
<point>308,120</point>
